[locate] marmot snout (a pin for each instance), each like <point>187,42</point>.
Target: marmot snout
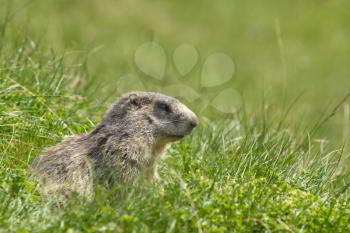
<point>134,133</point>
<point>172,118</point>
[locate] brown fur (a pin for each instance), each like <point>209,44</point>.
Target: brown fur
<point>132,136</point>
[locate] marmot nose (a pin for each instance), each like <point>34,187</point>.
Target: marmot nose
<point>193,123</point>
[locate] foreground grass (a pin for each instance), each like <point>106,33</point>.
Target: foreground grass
<point>244,175</point>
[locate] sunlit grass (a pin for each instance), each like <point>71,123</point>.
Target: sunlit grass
<point>262,170</point>
<point>239,175</point>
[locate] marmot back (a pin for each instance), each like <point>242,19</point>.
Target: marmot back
<point>132,136</point>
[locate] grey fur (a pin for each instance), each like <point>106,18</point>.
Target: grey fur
<point>132,136</point>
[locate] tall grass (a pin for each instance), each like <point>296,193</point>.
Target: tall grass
<point>243,175</point>
<point>259,171</point>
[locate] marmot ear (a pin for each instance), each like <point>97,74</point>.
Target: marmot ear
<point>135,100</point>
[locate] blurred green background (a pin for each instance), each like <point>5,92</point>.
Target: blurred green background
<point>281,49</point>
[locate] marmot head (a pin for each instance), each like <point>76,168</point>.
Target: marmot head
<point>166,116</point>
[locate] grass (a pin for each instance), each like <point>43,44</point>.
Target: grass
<point>262,170</point>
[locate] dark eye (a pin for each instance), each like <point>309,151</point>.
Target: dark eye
<point>164,107</point>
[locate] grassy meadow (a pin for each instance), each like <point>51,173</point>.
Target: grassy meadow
<point>278,163</point>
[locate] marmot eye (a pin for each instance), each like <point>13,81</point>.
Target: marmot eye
<point>164,106</point>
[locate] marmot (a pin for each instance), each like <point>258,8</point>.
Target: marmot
<point>132,136</point>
